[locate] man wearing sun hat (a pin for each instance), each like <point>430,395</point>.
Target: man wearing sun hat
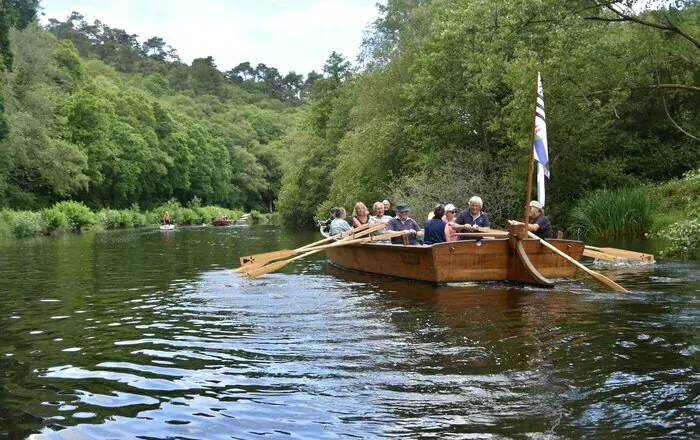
<point>539,223</point>
<point>402,222</point>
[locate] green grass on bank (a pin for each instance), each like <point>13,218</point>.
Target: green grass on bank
<point>70,216</point>
<point>613,213</point>
<point>670,211</point>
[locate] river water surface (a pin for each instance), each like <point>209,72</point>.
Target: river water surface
<point>148,334</point>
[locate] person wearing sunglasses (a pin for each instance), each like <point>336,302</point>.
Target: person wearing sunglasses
<point>449,218</point>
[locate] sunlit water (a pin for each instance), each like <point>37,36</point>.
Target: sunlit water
<point>148,334</point>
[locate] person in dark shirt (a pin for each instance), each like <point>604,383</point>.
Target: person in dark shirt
<point>539,223</point>
<point>403,223</point>
<point>387,209</point>
<point>473,218</point>
<point>436,230</point>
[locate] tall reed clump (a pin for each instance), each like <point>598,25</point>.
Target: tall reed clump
<point>613,213</point>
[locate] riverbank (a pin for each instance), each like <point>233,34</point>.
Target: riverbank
<point>73,217</point>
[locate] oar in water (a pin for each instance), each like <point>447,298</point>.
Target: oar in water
<point>623,254</point>
<point>254,273</point>
<point>597,276</point>
<point>286,253</point>
<point>600,253</point>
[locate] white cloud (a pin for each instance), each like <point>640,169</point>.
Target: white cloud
<point>290,35</point>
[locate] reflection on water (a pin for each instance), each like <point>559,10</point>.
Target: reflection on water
<point>147,334</point>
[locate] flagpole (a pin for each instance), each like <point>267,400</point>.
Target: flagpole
<point>532,157</point>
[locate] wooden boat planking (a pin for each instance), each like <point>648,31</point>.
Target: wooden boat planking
<point>495,259</point>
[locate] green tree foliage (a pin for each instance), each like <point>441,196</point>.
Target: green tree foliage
<point>314,144</point>
<point>100,118</point>
<point>449,85</point>
<point>13,13</point>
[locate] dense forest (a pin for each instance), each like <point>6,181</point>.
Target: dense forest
<point>93,115</point>
<point>438,108</point>
<point>443,109</point>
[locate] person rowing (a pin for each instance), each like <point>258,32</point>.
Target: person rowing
<point>539,223</point>
<point>473,218</point>
<point>402,222</point>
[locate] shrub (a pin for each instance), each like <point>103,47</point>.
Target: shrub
<point>195,203</point>
<point>110,219</point>
<point>684,237</point>
<point>188,216</point>
<point>27,224</point>
<point>613,213</point>
<point>256,216</point>
<point>78,215</point>
<point>55,219</point>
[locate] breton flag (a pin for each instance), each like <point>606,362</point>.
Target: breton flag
<point>541,150</point>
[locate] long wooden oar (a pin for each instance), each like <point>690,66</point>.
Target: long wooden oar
<point>244,270</point>
<point>623,253</point>
<point>286,253</point>
<point>254,273</point>
<point>482,234</point>
<point>597,276</point>
<point>602,253</point>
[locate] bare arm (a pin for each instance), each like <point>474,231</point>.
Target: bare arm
<point>447,232</point>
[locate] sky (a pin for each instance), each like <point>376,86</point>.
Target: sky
<point>296,35</point>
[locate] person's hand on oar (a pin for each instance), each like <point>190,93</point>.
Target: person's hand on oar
<point>597,276</point>
<point>261,259</point>
<point>254,273</point>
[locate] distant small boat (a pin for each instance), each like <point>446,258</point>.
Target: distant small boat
<point>167,227</point>
<point>222,222</point>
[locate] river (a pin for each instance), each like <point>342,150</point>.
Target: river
<point>148,334</point>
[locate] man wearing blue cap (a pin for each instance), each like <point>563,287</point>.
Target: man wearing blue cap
<point>402,222</point>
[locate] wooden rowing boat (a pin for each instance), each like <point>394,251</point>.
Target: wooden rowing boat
<point>512,258</point>
<point>222,222</point>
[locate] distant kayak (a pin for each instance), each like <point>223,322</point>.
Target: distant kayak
<point>167,227</point>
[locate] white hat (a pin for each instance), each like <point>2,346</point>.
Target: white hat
<point>449,207</point>
<point>536,204</point>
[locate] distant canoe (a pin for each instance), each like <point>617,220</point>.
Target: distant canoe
<point>222,222</point>
<point>167,227</point>
<point>490,259</point>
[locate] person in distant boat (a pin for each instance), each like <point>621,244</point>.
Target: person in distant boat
<point>436,230</point>
<point>360,216</point>
<point>166,218</point>
<point>449,218</point>
<point>221,216</point>
<point>473,218</point>
<point>387,209</point>
<point>402,222</point>
<point>379,217</point>
<point>339,224</point>
<point>539,223</point>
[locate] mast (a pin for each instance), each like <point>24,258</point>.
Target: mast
<point>532,157</point>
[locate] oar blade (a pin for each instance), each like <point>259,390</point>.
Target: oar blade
<point>630,255</point>
<point>268,256</point>
<point>277,265</point>
<point>607,281</point>
<point>243,270</point>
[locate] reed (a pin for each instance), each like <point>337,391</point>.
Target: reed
<point>613,213</point>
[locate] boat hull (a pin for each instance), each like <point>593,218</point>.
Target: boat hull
<point>468,260</point>
<point>222,222</point>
